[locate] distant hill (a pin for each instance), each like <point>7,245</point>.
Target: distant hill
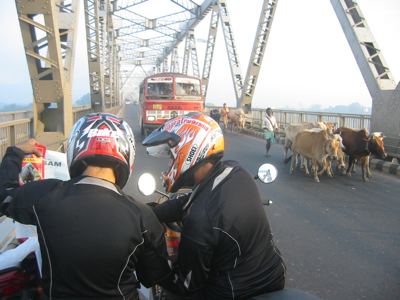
<point>353,108</point>
<point>5,107</point>
<point>84,100</point>
<point>15,107</point>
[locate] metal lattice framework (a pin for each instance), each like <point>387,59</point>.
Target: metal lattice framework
<point>257,54</point>
<point>149,37</point>
<point>364,46</point>
<point>212,35</point>
<point>127,37</point>
<point>174,61</point>
<point>231,49</point>
<point>190,50</point>
<point>102,54</point>
<point>47,29</point>
<point>379,80</point>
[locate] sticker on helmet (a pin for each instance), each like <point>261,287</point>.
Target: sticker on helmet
<point>182,121</point>
<point>202,153</point>
<point>102,132</point>
<point>191,154</point>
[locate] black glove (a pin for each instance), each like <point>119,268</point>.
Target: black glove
<point>152,204</point>
<point>181,197</point>
<point>172,209</point>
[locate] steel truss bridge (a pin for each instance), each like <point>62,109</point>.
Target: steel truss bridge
<point>126,39</point>
<point>340,230</point>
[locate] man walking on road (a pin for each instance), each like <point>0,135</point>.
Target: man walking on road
<point>270,126</point>
<point>224,115</point>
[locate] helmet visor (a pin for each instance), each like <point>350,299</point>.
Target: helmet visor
<point>162,150</point>
<point>160,136</point>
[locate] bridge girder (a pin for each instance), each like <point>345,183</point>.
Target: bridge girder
<point>165,31</point>
<point>95,15</point>
<point>174,67</point>
<point>231,50</point>
<point>260,43</point>
<point>376,73</point>
<point>48,31</point>
<point>190,50</point>
<point>212,36</point>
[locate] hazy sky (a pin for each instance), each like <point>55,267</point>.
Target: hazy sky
<point>307,60</point>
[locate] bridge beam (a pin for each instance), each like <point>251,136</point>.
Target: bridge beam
<point>186,53</point>
<point>101,48</point>
<point>48,31</point>
<point>193,54</point>
<point>201,12</point>
<point>174,67</point>
<point>212,35</point>
<point>231,50</point>
<point>190,50</point>
<point>257,54</point>
<point>377,76</point>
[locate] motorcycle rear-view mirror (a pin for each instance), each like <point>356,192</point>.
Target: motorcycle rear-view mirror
<point>147,184</point>
<point>267,173</point>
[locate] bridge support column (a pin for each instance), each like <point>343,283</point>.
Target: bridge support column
<point>385,118</point>
<point>48,29</point>
<point>376,73</point>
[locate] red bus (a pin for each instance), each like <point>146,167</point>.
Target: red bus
<point>166,95</point>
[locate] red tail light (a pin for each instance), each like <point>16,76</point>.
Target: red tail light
<point>12,281</point>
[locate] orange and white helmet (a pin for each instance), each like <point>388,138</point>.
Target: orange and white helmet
<point>188,140</point>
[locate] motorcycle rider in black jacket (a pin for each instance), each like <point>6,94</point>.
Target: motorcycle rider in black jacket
<point>226,249</point>
<point>92,236</point>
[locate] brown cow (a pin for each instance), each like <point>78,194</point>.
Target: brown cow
<point>236,118</point>
<point>359,145</point>
<point>328,165</point>
<point>292,130</point>
<point>314,145</point>
<point>340,157</point>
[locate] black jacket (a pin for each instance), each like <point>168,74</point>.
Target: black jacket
<point>226,249</point>
<point>92,237</point>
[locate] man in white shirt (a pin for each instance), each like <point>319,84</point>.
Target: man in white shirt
<point>270,126</point>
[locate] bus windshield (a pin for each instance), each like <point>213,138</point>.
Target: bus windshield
<point>187,87</point>
<point>159,88</point>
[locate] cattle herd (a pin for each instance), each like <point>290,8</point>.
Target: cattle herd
<point>320,144</point>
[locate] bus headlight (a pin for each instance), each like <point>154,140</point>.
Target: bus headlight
<point>151,118</point>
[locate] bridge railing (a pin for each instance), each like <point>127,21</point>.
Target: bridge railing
<point>17,126</point>
<point>254,120</point>
<point>284,118</point>
<point>15,115</point>
<point>287,117</point>
<point>14,132</point>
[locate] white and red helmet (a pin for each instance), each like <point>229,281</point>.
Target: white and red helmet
<point>104,140</point>
<point>188,140</point>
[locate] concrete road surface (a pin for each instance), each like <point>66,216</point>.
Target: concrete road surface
<point>340,238</point>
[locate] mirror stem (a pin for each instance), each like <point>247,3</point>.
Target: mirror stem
<point>162,194</point>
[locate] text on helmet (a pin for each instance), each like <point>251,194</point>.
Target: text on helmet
<point>102,132</point>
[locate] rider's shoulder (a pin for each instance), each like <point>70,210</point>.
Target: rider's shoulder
<point>235,172</point>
